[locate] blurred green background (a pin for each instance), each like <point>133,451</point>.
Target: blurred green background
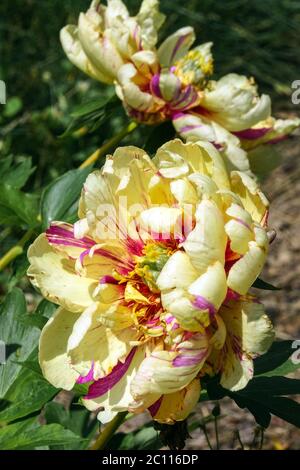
<point>258,38</point>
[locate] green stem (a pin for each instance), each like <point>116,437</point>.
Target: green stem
<point>203,427</point>
<point>109,144</point>
<point>262,438</point>
<point>108,432</point>
<point>217,433</point>
<point>240,440</point>
<point>15,251</point>
<point>18,249</point>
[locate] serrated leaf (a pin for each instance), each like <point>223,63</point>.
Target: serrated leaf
<point>61,194</point>
<point>20,339</point>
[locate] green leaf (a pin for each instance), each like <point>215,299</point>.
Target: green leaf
<point>145,438</point>
<point>272,386</point>
<point>17,175</point>
<point>45,309</point>
<point>20,339</point>
<point>260,284</point>
<point>61,194</point>
<point>29,392</point>
<point>278,354</point>
<point>93,114</point>
<point>91,106</point>
<point>19,268</point>
<point>17,207</point>
<point>29,434</point>
<point>262,397</point>
<point>76,419</point>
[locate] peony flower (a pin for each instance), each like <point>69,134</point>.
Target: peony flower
<point>106,37</point>
<point>172,82</point>
<point>152,282</point>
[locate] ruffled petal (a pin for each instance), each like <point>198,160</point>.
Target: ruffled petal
<point>177,406</point>
<point>53,357</point>
<point>91,343</point>
<point>54,274</point>
<point>176,46</point>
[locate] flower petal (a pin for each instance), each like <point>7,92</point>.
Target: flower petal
<point>175,46</point>
<point>206,243</point>
<point>54,274</point>
<point>53,357</point>
<point>165,372</point>
<point>177,406</point>
<point>113,391</point>
<point>92,343</point>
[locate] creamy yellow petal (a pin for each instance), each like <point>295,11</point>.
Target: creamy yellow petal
<point>177,406</point>
<point>92,344</point>
<point>207,242</point>
<point>169,371</point>
<point>54,274</point>
<point>244,271</point>
<point>254,201</point>
<point>176,46</point>
<point>53,357</point>
<point>119,397</point>
<point>177,272</point>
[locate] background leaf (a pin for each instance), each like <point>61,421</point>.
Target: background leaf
<point>20,339</point>
<point>60,195</point>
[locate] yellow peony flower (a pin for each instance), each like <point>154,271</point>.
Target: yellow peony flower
<point>152,282</point>
<point>106,37</point>
<point>172,82</point>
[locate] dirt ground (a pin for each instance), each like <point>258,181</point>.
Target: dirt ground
<point>282,270</point>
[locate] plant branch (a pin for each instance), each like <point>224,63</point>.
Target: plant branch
<point>108,145</point>
<point>108,432</point>
<point>15,251</point>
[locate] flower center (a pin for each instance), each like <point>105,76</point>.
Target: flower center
<point>141,293</point>
<point>194,67</point>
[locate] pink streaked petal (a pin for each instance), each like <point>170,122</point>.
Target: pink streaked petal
<point>87,378</point>
<point>108,280</point>
<point>154,85</point>
<point>231,295</point>
<point>186,360</point>
<point>155,407</point>
<point>203,304</point>
<point>103,385</point>
<point>177,46</point>
<point>252,134</point>
<point>190,128</point>
<point>64,235</point>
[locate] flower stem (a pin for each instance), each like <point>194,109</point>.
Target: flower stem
<point>108,145</point>
<point>17,250</point>
<point>203,427</point>
<point>108,432</point>
<point>217,433</point>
